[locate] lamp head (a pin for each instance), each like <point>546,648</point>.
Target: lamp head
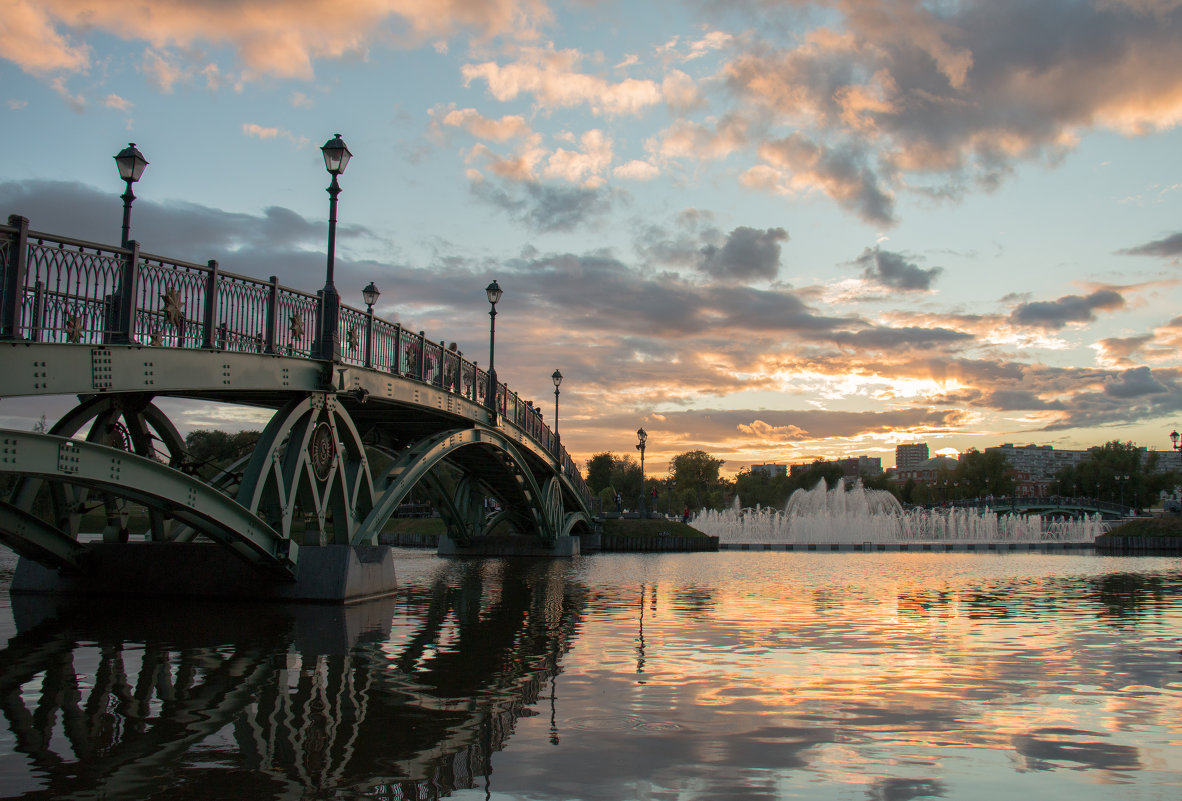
<point>494,292</point>
<point>556,378</point>
<point>370,294</point>
<point>641,435</point>
<point>131,163</point>
<point>336,155</point>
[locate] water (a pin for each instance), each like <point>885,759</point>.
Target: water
<point>858,515</point>
<point>679,676</point>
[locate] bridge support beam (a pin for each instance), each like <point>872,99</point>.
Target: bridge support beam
<point>329,573</point>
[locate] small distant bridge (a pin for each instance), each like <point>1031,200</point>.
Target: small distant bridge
<point>1049,506</point>
<point>362,411</point>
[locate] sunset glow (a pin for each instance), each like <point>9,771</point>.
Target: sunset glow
<point>770,231</point>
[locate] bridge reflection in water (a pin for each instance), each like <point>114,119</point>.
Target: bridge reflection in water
<point>405,697</point>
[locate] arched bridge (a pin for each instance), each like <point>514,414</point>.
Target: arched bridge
<point>1046,506</point>
<point>363,411</point>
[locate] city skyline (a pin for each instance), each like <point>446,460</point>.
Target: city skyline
<point>768,231</point>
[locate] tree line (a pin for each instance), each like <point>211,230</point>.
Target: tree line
<point>1113,472</point>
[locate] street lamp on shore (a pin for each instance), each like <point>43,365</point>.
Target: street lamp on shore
<point>493,292</point>
<point>131,166</point>
<point>557,379</point>
<point>1174,436</point>
<point>336,158</point>
<point>641,439</point>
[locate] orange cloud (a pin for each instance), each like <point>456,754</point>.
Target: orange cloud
<point>270,37</point>
<point>551,76</point>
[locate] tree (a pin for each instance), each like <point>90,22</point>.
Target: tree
<point>979,474</point>
<point>211,450</point>
<point>696,472</point>
<point>599,471</point>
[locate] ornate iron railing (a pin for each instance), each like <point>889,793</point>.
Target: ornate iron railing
<point>57,289</point>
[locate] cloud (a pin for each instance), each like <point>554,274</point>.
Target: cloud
<point>1168,247</point>
<point>747,254</point>
<point>29,39</point>
<point>552,78</point>
<point>116,102</point>
<point>797,164</point>
<point>510,126</point>
<point>1055,314</point>
<point>261,132</point>
<point>1133,384</point>
<point>636,170</point>
<point>935,99</point>
<point>278,39</point>
<point>543,207</point>
<point>894,271</point>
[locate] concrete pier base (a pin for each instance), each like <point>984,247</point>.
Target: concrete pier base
<point>509,546</point>
<point>331,573</point>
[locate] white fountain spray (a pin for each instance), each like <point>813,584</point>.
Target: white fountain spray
<point>858,515</point>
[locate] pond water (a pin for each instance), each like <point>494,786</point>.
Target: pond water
<point>736,675</point>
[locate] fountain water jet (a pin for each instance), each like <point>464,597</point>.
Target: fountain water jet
<point>858,515</point>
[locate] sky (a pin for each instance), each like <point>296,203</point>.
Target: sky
<point>773,230</point>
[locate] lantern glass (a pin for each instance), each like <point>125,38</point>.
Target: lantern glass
<point>131,163</point>
<point>493,291</point>
<point>336,155</point>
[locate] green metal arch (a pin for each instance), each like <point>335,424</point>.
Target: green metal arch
<point>155,485</point>
<point>544,504</point>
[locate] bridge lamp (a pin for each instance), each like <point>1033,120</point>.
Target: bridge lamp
<point>557,379</point>
<point>131,164</point>
<point>493,291</point>
<point>370,295</point>
<point>336,158</point>
<point>1174,435</point>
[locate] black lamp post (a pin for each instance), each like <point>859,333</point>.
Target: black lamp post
<point>370,295</point>
<point>641,439</point>
<point>336,158</point>
<point>1174,435</point>
<point>557,379</point>
<point>1123,480</point>
<point>493,291</point>
<point>131,166</point>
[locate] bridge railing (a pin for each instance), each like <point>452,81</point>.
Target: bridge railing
<point>58,289</point>
<point>1000,504</point>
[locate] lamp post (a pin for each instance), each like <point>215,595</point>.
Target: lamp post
<point>494,292</point>
<point>336,158</point>
<point>370,296</point>
<point>641,439</point>
<point>131,166</point>
<point>1123,480</point>
<point>557,379</point>
<point>1174,436</point>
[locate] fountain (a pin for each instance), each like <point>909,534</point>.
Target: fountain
<point>858,516</point>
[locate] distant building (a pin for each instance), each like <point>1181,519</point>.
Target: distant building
<point>1168,460</point>
<point>1040,461</point>
<point>770,470</point>
<point>909,454</point>
<point>927,471</point>
<point>851,466</point>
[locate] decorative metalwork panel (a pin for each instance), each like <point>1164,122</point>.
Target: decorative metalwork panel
<point>170,303</point>
<point>241,314</point>
<point>386,345</point>
<point>70,292</point>
<point>298,314</point>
